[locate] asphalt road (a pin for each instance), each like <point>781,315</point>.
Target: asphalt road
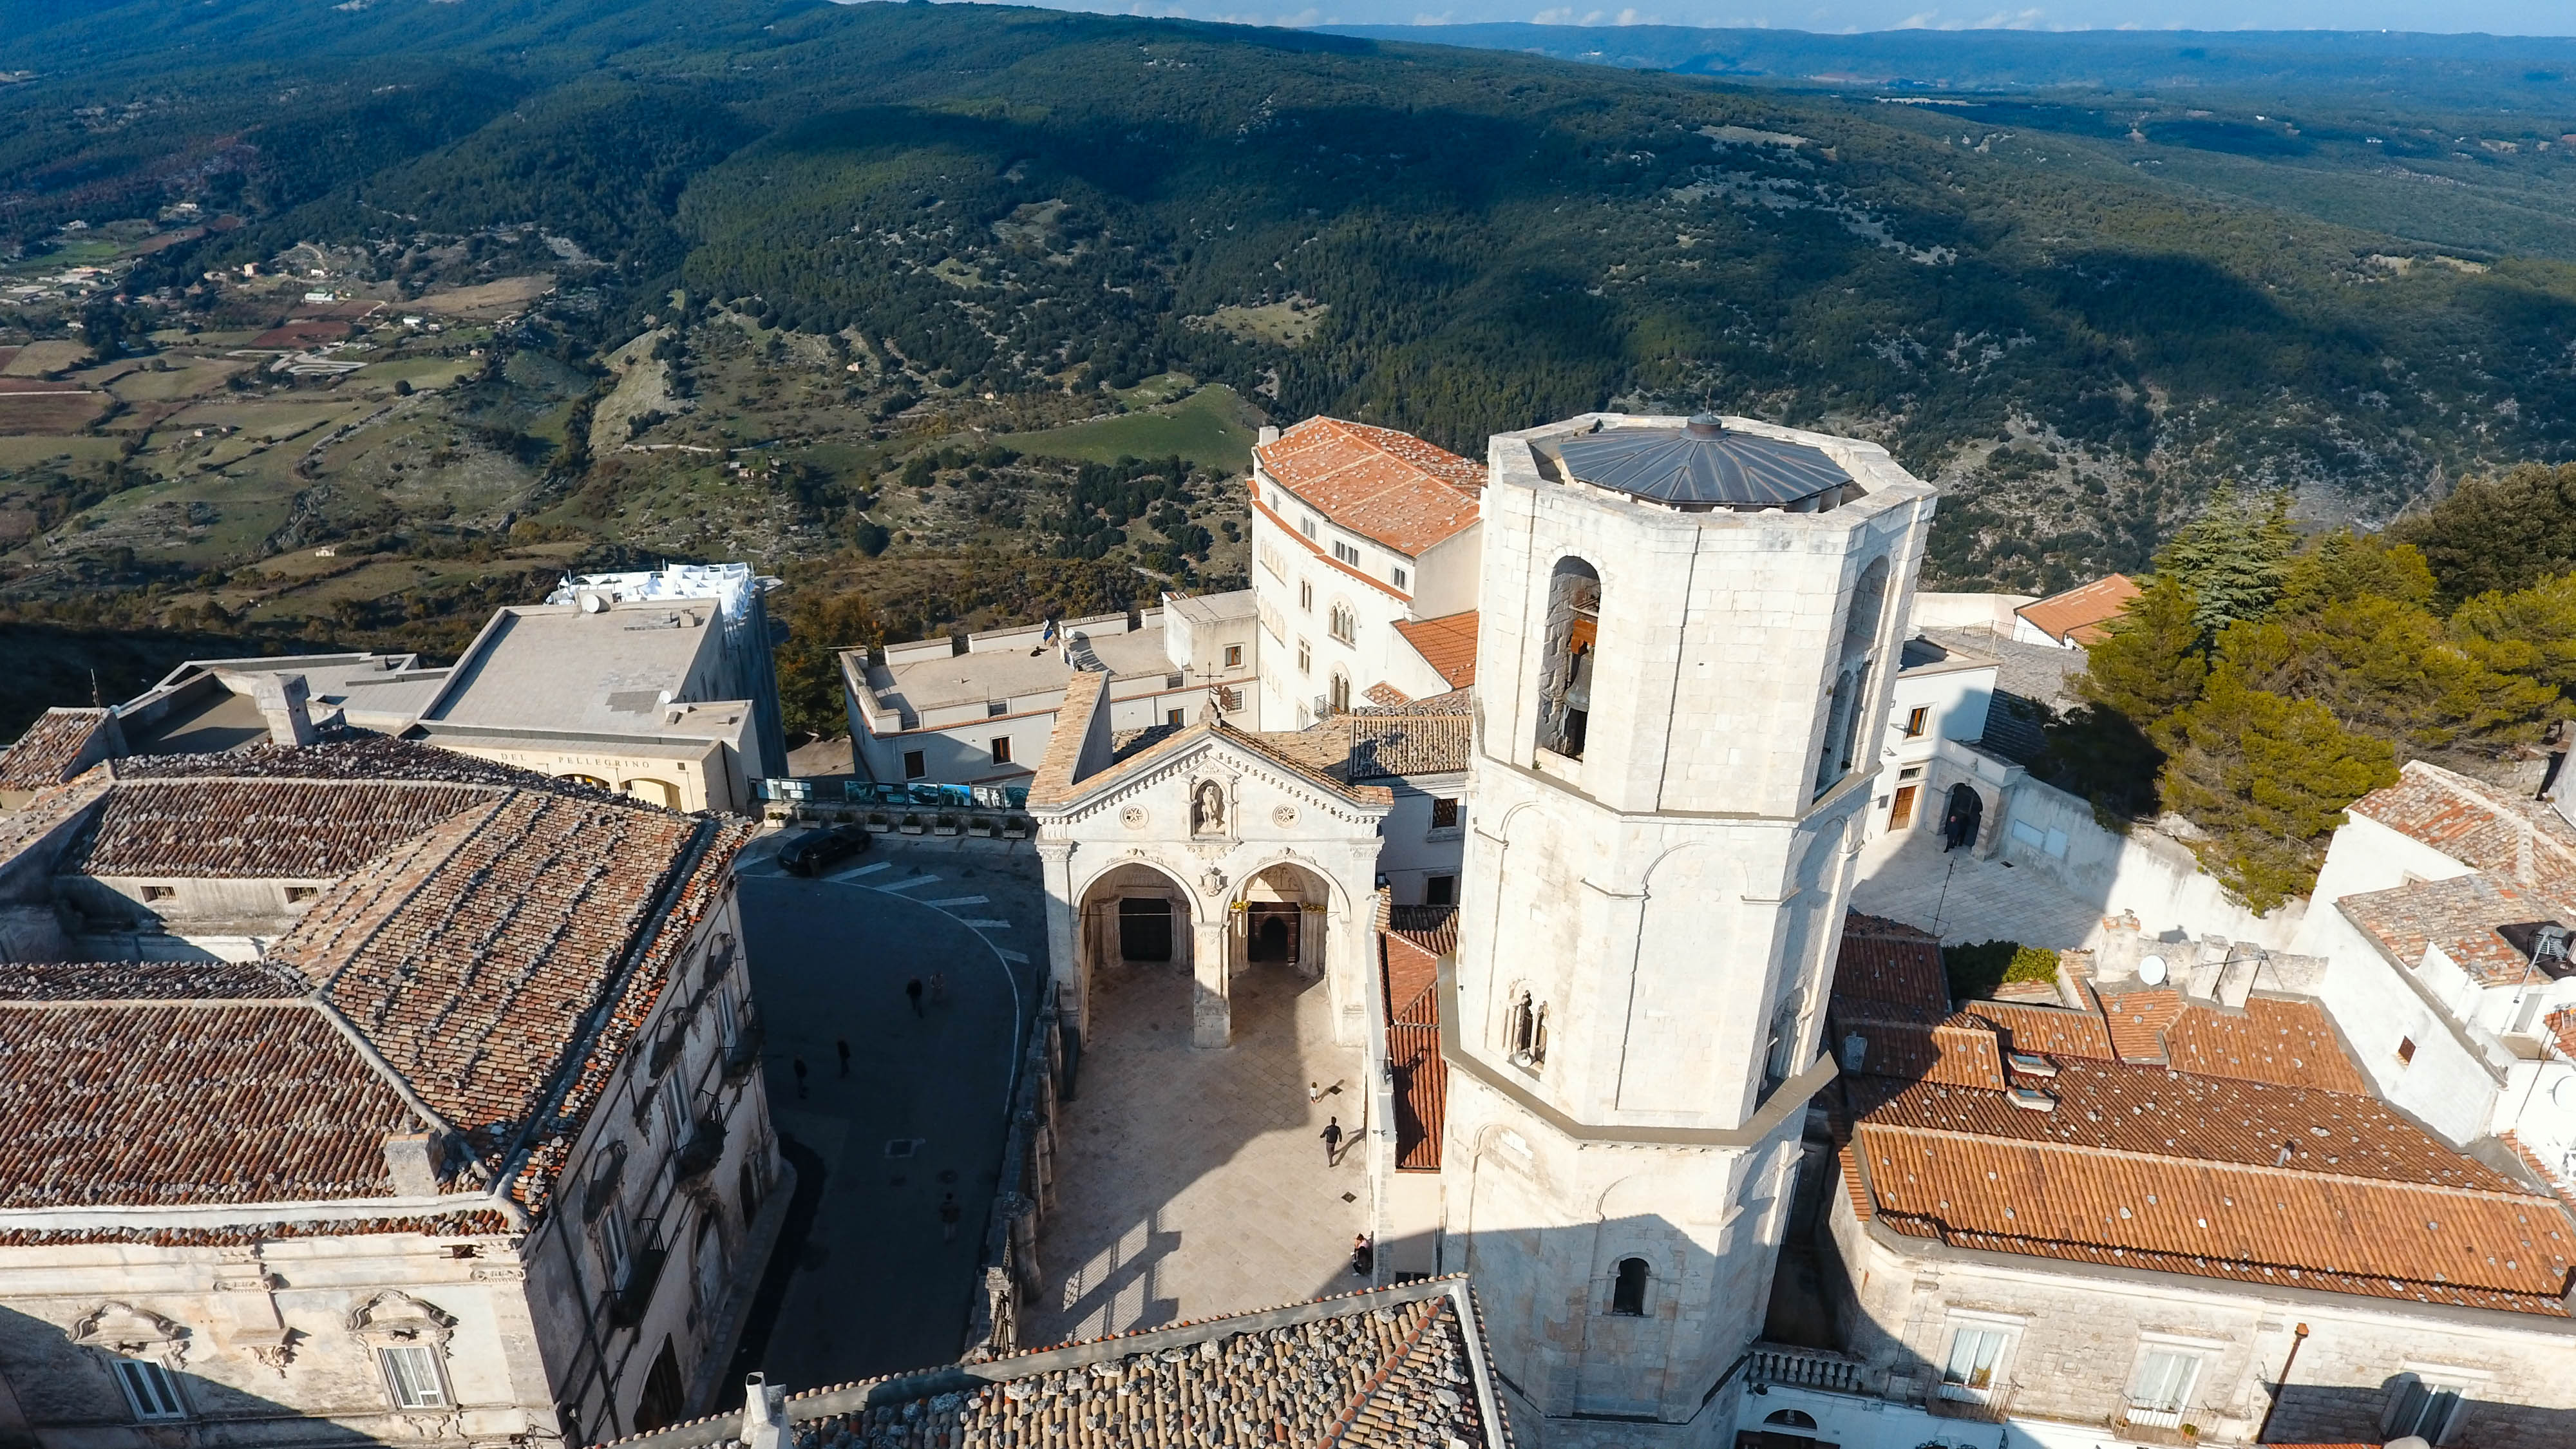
<point>923,1108</point>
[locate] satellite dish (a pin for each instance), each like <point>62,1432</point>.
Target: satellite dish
<point>2151,970</point>
<point>592,603</point>
<point>2564,1094</point>
<point>2411,1441</point>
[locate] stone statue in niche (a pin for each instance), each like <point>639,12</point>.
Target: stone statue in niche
<point>1207,809</point>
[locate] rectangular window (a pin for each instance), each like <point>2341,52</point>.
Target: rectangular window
<point>1346,553</point>
<point>1234,656</point>
<point>612,1246</point>
<point>1917,720</point>
<point>675,1107</point>
<point>2163,1386</point>
<point>1440,890</point>
<point>1401,581</point>
<point>159,893</point>
<point>1310,527</point>
<point>149,1391</point>
<point>411,1373</point>
<point>1305,658</point>
<point>297,895</point>
<point>994,707</point>
<point>2405,1051</point>
<point>1970,1372</point>
<point>1444,812</point>
<point>914,766</point>
<point>1001,749</point>
<point>1305,596</point>
<point>1172,717</point>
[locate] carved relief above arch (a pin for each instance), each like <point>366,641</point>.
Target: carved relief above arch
<point>122,1328</point>
<point>395,1317</point>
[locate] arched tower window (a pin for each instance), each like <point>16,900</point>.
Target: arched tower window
<point>1628,1292</point>
<point>1779,1060</point>
<point>1525,1032</point>
<point>1345,623</point>
<point>1337,696</point>
<point>1565,667</point>
<point>1853,667</point>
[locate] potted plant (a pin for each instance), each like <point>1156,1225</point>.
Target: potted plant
<point>911,825</point>
<point>1017,827</point>
<point>880,822</point>
<point>980,825</point>
<point>947,824</point>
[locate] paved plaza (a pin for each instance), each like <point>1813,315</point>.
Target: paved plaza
<point>877,1287</point>
<point>1192,1182</point>
<point>1907,877</point>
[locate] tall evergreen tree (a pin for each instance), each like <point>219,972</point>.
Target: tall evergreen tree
<point>2235,557</point>
<point>2267,780</point>
<point>2499,534</point>
<point>2150,663</point>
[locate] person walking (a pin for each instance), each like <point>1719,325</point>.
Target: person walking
<point>1363,1254</point>
<point>1332,1135</point>
<point>949,1213</point>
<point>1314,1093</point>
<point>912,989</point>
<point>843,1047</point>
<point>799,1064</point>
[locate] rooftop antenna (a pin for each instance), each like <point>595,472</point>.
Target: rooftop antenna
<point>94,701</point>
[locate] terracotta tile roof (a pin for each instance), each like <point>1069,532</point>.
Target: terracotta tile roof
<point>1433,928</point>
<point>2461,915</point>
<point>469,954</point>
<point>2136,1159</point>
<point>1456,701</point>
<point>355,756</point>
<point>265,828</point>
<point>1388,486</point>
<point>2081,613</point>
<point>1898,966</point>
<point>1447,644</point>
<point>165,1105</point>
<point>2051,1031</point>
<point>149,981</point>
<point>470,1223</point>
<point>2561,1025</point>
<point>2138,1020</point>
<point>60,744</point>
<point>1896,1041</point>
<point>1409,966</point>
<point>1386,696</point>
<point>1369,1371</point>
<point>2288,1043</point>
<point>2523,841</point>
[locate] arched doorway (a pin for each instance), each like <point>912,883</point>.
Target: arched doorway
<point>1962,818</point>
<point>1135,923</point>
<point>1283,909</point>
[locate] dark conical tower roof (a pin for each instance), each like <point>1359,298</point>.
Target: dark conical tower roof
<point>1702,462</point>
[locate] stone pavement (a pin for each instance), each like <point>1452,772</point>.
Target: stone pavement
<point>877,1287</point>
<point>1906,876</point>
<point>1191,1183</point>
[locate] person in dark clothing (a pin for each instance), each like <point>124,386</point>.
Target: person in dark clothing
<point>1363,1254</point>
<point>843,1047</point>
<point>912,989</point>
<point>799,1064</point>
<point>949,1213</point>
<point>1332,1135</point>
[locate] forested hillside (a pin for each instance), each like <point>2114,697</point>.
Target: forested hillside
<point>770,255</point>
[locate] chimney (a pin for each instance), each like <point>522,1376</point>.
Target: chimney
<point>284,701</point>
<point>412,1160</point>
<point>2120,948</point>
<point>764,1414</point>
<point>1269,435</point>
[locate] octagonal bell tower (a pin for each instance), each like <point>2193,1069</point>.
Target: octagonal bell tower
<point>1687,632</point>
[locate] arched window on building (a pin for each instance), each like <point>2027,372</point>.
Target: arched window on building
<point>1337,696</point>
<point>1345,623</point>
<point>1779,1059</point>
<point>1628,1293</point>
<point>1855,660</point>
<point>1790,1418</point>
<point>1566,666</point>
<point>1525,1032</point>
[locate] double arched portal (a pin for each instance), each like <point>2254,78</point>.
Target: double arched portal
<point>1139,915</point>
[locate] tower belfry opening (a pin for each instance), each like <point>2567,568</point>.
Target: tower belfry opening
<point>1566,666</point>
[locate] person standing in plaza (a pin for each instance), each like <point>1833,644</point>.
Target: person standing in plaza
<point>1332,1135</point>
<point>949,1213</point>
<point>799,1064</point>
<point>912,989</point>
<point>843,1047</point>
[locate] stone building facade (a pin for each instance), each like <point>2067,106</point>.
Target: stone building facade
<point>431,1114</point>
<point>1669,785</point>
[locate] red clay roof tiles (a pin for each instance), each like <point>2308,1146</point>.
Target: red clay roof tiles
<point>241,829</point>
<point>1384,485</point>
<point>161,1105</point>
<point>56,747</point>
<point>1447,644</point>
<point>2523,841</point>
<point>2460,915</point>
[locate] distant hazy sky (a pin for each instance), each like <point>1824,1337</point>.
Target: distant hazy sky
<point>2498,17</point>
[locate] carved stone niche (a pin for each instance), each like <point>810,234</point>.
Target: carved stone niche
<point>123,1329</point>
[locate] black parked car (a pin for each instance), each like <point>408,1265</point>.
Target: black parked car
<point>815,850</point>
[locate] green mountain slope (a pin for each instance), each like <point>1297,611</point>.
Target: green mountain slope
<point>1008,202</point>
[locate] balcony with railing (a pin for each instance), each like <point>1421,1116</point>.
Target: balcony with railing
<point>742,1054</point>
<point>700,1150</point>
<point>1806,1368</point>
<point>633,1294</point>
<point>1988,1404</point>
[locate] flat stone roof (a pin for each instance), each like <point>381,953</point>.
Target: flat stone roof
<point>554,667</point>
<point>918,686</point>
